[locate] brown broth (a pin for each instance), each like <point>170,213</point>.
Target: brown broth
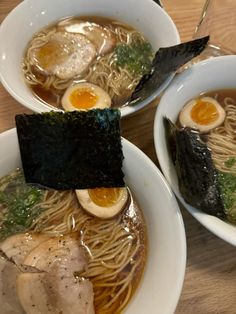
<point>52,97</point>
<point>136,221</point>
<point>132,222</point>
<point>221,94</point>
<point>47,96</point>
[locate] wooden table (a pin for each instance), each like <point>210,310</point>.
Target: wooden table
<point>210,281</point>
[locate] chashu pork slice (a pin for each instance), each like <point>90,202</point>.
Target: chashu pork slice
<point>103,38</point>
<point>43,293</point>
<point>18,246</point>
<point>57,287</point>
<point>9,301</point>
<point>63,54</point>
<point>58,254</point>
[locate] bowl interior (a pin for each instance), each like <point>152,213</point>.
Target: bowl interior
<point>163,277</point>
<point>30,16</point>
<point>216,73</point>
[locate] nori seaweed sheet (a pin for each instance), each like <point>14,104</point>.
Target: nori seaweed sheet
<point>197,175</point>
<point>71,150</point>
<point>166,61</point>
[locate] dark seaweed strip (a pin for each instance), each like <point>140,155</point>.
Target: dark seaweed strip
<point>198,179</point>
<point>72,150</point>
<point>166,61</point>
<point>170,137</point>
<point>197,175</point>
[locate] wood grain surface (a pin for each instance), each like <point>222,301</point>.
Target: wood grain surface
<point>210,281</point>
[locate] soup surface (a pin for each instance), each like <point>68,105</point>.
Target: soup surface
<point>97,50</point>
<point>113,250</point>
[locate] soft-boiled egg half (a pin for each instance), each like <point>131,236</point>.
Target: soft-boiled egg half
<point>85,96</point>
<point>204,114</point>
<point>103,202</point>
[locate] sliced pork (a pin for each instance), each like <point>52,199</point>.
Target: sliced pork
<point>63,54</point>
<point>64,253</point>
<point>103,39</point>
<point>9,301</point>
<point>57,287</point>
<point>43,293</point>
<point>18,246</point>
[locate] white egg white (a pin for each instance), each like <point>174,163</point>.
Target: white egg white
<point>103,101</point>
<point>99,211</point>
<point>187,121</point>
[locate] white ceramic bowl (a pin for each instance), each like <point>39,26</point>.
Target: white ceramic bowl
<point>162,281</point>
<point>215,73</point>
<point>31,15</point>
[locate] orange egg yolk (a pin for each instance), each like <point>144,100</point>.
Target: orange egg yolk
<point>104,197</point>
<point>204,112</point>
<point>83,99</point>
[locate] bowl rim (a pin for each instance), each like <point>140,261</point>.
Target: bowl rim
<point>125,110</point>
<point>177,221</point>
<point>199,215</point>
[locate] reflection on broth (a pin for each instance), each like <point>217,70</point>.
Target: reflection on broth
<point>105,52</point>
<point>91,255</point>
